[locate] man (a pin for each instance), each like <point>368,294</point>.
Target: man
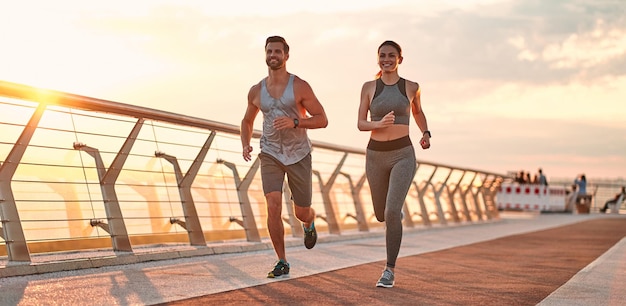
<point>285,100</point>
<point>614,199</point>
<point>542,178</point>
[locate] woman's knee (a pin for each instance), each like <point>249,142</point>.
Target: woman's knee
<point>380,216</point>
<point>393,216</point>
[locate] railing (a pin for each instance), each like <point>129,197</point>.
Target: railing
<point>83,173</point>
<point>600,190</point>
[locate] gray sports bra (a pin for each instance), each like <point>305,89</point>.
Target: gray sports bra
<point>391,98</point>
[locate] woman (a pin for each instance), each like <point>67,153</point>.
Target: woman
<point>581,183</point>
<point>390,157</point>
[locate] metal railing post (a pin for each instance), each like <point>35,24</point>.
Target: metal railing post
<point>475,191</point>
<point>423,211</point>
<point>457,188</point>
<point>464,193</point>
<point>488,191</point>
<point>13,233</point>
<point>242,185</point>
<point>438,193</point>
<point>355,190</point>
<point>192,222</point>
<point>331,217</point>
<point>441,215</point>
<point>108,177</point>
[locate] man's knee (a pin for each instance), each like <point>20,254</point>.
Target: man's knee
<point>274,201</point>
<point>303,213</point>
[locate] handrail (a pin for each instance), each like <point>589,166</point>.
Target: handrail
<point>196,207</point>
<point>25,92</point>
<point>54,97</point>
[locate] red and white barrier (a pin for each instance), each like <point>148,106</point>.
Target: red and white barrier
<point>531,197</point>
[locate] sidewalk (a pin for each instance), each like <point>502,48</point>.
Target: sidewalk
<point>183,277</point>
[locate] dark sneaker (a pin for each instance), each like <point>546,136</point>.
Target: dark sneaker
<point>281,269</point>
<point>310,236</point>
<point>386,280</point>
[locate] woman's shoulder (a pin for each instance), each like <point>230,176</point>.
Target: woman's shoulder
<point>411,85</point>
<point>369,84</point>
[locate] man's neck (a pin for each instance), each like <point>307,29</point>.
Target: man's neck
<point>277,75</point>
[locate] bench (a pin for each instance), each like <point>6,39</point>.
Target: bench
<point>614,207</point>
<point>583,203</point>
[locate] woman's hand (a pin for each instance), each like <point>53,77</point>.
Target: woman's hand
<point>387,120</point>
<point>425,142</point>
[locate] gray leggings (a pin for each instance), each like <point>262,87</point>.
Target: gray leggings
<point>390,174</point>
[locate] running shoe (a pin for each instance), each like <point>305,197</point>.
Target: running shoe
<point>386,280</point>
<point>310,236</point>
<point>281,269</point>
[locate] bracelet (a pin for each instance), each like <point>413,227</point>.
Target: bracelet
<point>427,132</point>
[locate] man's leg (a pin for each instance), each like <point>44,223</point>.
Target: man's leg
<point>301,186</point>
<point>275,223</point>
<point>305,214</point>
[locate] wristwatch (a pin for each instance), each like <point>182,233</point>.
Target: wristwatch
<point>427,132</point>
<point>296,122</point>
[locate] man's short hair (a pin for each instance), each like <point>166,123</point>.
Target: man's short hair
<point>278,39</point>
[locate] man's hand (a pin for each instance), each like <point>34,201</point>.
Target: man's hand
<point>246,153</point>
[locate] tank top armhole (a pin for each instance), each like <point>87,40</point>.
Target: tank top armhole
<point>402,87</point>
<point>379,88</point>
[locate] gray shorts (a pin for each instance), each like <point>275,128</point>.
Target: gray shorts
<point>299,178</point>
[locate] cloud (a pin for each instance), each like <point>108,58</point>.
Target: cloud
<point>548,74</point>
<point>527,41</point>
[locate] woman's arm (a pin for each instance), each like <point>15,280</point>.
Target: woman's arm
<point>418,114</point>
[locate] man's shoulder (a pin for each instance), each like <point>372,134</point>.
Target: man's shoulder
<point>299,83</point>
<point>254,91</point>
<point>257,86</point>
<point>297,79</point>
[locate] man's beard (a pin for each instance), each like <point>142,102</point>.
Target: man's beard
<point>274,66</point>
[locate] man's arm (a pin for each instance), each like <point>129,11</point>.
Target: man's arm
<point>317,118</point>
<point>247,123</point>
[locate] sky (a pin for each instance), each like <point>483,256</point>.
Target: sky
<point>506,85</point>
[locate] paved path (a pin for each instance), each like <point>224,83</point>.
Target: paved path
<point>438,266</point>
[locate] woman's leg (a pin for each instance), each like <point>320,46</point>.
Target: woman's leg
<point>377,169</point>
<point>400,180</point>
